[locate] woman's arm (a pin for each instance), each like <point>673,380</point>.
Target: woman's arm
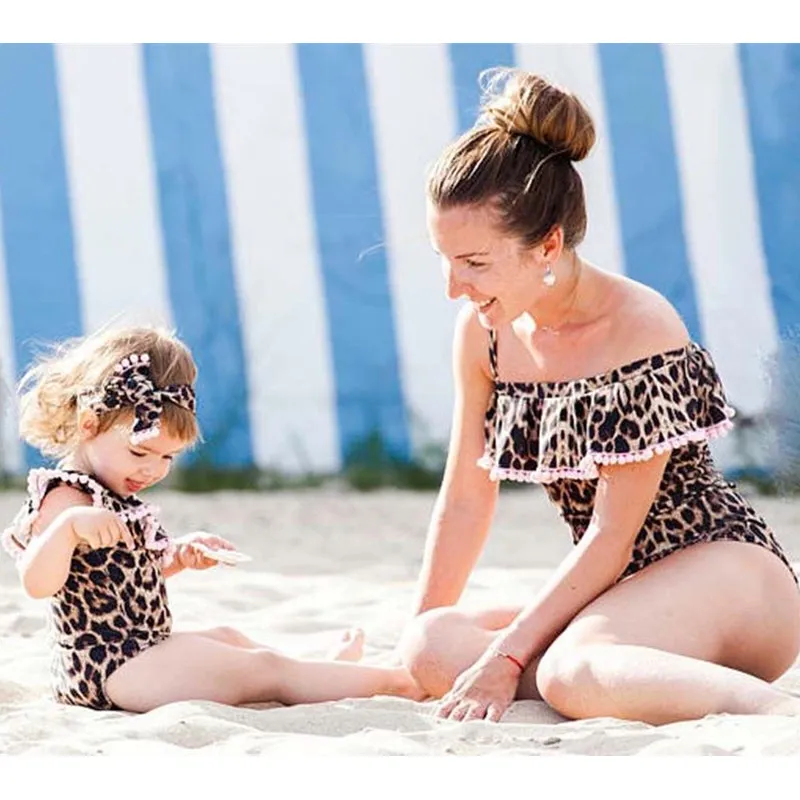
<point>624,496</point>
<point>465,505</point>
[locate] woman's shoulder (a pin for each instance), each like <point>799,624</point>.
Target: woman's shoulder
<point>645,324</point>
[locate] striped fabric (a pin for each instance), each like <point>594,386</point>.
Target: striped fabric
<point>267,201</point>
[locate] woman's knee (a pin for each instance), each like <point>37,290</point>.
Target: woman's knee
<point>565,677</point>
<point>425,632</point>
<point>426,637</point>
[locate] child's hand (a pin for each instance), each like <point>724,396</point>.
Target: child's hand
<point>187,556</point>
<point>98,527</point>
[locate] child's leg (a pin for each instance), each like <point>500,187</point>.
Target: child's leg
<point>195,667</point>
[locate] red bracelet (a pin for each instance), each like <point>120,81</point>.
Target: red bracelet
<point>511,658</point>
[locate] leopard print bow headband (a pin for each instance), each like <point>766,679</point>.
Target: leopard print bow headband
<point>131,384</point>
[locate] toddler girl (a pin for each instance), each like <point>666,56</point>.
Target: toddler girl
<point>114,409</point>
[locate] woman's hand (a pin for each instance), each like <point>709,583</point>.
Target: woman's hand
<point>188,556</point>
<point>484,691</point>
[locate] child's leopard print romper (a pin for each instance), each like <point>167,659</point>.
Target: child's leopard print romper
<point>114,602</point>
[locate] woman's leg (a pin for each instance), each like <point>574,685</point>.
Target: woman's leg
<point>191,666</point>
<point>701,631</point>
<point>705,630</point>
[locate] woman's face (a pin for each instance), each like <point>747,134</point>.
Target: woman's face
<point>500,278</point>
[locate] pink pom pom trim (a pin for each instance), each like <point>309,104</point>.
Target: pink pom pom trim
<point>16,536</point>
<point>587,469</point>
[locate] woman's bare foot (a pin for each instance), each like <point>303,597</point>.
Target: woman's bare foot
<point>350,647</point>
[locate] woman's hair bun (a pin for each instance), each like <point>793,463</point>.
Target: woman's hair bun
<point>525,104</point>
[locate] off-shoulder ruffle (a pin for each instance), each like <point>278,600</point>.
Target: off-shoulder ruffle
<point>549,431</point>
<point>17,535</point>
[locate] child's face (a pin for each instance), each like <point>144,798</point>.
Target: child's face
<point>127,468</point>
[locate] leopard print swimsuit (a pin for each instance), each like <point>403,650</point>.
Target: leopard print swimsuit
<point>113,604</point>
<point>557,433</point>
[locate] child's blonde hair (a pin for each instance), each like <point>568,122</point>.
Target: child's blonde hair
<point>50,389</point>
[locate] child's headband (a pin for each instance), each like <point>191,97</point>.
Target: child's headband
<point>131,384</point>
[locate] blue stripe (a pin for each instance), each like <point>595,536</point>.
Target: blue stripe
<point>646,174</point>
<point>468,61</point>
<point>352,248</point>
<point>37,229</point>
<point>771,76</point>
<point>194,220</point>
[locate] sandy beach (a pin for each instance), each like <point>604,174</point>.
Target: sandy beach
<point>325,560</point>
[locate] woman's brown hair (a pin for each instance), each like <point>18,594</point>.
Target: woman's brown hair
<point>519,156</point>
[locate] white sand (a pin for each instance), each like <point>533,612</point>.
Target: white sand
<point>324,561</point>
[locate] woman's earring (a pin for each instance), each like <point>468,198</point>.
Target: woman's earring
<point>549,276</point>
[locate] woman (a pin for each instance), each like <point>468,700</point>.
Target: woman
<point>676,601</point>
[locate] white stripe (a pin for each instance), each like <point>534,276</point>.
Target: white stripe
<point>111,182</point>
<point>10,449</point>
<point>413,113</point>
<point>721,216</point>
<point>292,400</point>
<point>576,68</point>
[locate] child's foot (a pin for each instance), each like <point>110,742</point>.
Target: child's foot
<point>350,648</point>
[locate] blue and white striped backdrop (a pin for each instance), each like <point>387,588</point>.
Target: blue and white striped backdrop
<point>267,200</point>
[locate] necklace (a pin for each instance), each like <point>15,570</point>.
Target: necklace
<point>552,330</point>
<point>548,329</point>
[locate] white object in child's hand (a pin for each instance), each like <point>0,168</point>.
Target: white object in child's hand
<point>230,557</point>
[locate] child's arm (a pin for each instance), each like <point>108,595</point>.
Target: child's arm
<point>65,519</point>
<point>174,565</point>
